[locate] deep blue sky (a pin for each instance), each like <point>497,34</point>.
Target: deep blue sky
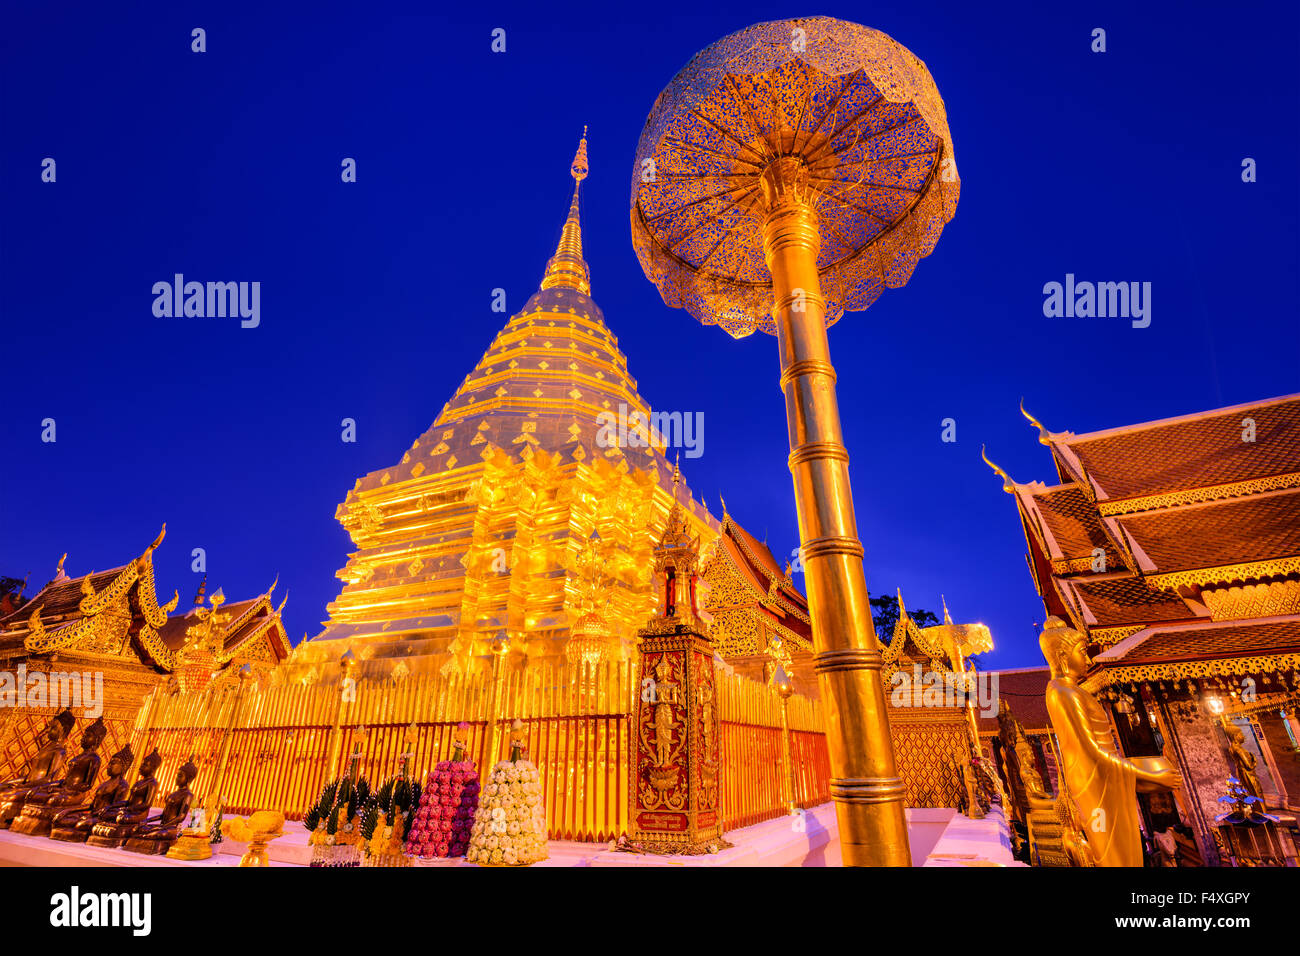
<point>375,296</point>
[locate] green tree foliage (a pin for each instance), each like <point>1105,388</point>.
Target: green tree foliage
<point>884,614</point>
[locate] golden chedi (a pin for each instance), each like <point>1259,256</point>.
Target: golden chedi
<point>482,524</point>
<point>1102,781</point>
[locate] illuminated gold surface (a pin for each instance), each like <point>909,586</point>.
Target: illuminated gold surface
<point>1102,781</point>
<point>483,524</point>
<point>866,786</point>
<point>763,127</point>
<point>576,720</point>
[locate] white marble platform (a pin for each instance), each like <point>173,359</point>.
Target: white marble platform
<point>937,838</point>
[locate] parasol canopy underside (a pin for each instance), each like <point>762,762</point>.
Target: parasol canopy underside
<point>866,119</point>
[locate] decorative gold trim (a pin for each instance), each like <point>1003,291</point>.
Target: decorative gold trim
<point>1190,496</point>
<point>1182,670</point>
<point>229,653</point>
<point>774,583</point>
<point>158,652</point>
<point>1084,565</point>
<point>1110,636</point>
<point>1224,574</point>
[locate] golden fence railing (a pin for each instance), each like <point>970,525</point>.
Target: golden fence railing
<point>755,783</point>
<point>576,727</point>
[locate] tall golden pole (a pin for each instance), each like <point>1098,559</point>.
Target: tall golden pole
<point>783,690</point>
<point>336,732</point>
<point>215,801</point>
<point>865,785</point>
<point>818,131</point>
<point>500,647</point>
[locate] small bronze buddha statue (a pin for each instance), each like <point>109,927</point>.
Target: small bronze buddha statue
<point>45,768</point>
<point>114,825</point>
<point>156,835</point>
<point>42,803</point>
<point>73,825</point>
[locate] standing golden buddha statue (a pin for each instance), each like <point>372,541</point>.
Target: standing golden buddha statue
<point>1102,781</point>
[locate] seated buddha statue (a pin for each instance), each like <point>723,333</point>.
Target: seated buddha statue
<point>44,801</point>
<point>73,825</point>
<point>113,826</point>
<point>45,768</point>
<point>156,835</point>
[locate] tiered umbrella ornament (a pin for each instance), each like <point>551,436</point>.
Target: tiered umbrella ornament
<point>789,173</point>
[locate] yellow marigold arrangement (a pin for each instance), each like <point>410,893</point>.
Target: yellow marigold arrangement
<point>261,824</point>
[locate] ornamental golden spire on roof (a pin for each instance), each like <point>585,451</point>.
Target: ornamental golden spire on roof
<point>567,269</point>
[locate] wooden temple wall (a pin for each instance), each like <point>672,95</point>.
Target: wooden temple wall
<point>576,722</point>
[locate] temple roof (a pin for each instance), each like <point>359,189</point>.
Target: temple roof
<point>1025,691</point>
<point>1234,531</point>
<point>60,597</point>
<point>1128,600</point>
<point>92,611</point>
<point>248,620</point>
<point>1072,523</point>
<point>1192,451</point>
<point>1209,641</point>
<point>1174,505</point>
<point>775,594</point>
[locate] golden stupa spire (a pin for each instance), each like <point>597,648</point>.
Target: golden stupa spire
<point>566,269</point>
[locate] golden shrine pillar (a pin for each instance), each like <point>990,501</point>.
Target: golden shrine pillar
<point>830,139</point>
<point>867,789</point>
<point>674,793</point>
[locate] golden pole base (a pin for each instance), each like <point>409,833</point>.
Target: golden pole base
<point>865,785</point>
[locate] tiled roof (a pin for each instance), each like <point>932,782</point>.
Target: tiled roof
<point>173,632</point>
<point>1195,452</point>
<point>1025,693</point>
<point>1130,601</point>
<point>1072,520</point>
<point>59,599</point>
<point>1228,640</point>
<point>1227,532</point>
<point>755,561</point>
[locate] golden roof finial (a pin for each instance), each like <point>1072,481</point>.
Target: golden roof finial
<point>156,541</point>
<point>947,618</point>
<point>1044,436</point>
<point>579,167</point>
<point>1008,485</point>
<point>567,269</point>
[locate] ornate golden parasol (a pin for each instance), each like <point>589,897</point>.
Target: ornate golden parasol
<point>791,171</point>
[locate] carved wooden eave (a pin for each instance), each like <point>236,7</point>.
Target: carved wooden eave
<point>252,622</point>
<point>125,604</point>
<point>907,632</point>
